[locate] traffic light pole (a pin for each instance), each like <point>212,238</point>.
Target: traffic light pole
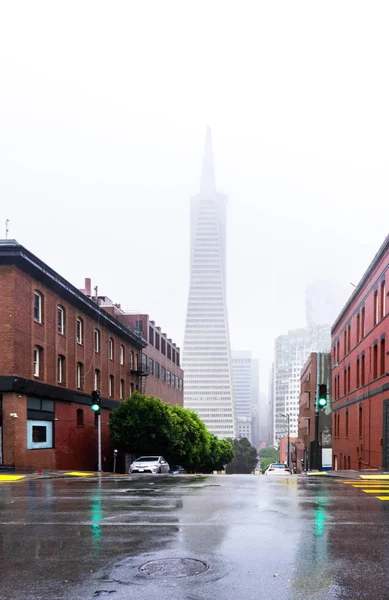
<point>99,442</point>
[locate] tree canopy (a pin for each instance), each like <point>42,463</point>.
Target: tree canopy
<point>269,452</point>
<point>245,457</point>
<point>145,425</point>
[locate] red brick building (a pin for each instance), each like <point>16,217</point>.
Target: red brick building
<point>57,344</point>
<point>360,422</point>
<point>316,371</point>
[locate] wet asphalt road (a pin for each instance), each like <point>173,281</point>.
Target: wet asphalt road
<point>296,538</point>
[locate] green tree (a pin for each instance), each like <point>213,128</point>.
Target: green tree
<point>190,439</point>
<point>141,425</point>
<point>220,455</point>
<point>269,452</point>
<point>245,457</point>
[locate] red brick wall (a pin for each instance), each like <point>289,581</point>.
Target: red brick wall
<point>363,451</point>
<point>7,319</point>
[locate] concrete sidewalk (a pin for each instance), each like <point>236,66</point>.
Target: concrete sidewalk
<point>19,475</point>
<point>373,473</point>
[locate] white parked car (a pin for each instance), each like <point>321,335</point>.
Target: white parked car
<point>278,469</point>
<point>149,464</point>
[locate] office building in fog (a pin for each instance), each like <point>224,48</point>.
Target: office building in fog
<point>208,388</point>
<point>246,393</point>
<point>291,353</point>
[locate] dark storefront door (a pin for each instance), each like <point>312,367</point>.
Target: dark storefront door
<point>385,442</point>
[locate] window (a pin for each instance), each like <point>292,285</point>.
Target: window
<point>110,349</point>
<point>163,373</point>
<point>345,382</point>
<point>97,340</point>
<point>131,388</point>
<point>375,361</point>
<point>80,375</point>
<point>363,322</point>
<point>80,331</point>
<point>173,380</point>
<point>376,307</point>
<point>151,336</point>
<point>358,373</point>
<point>121,389</point>
<point>39,434</point>
<point>121,354</point>
<point>163,346</point>
<point>346,423</point>
<point>38,307</point>
<point>173,355</point>
<point>360,421</point>
<point>157,338</point>
<point>139,326</point>
<point>37,361</point>
<point>383,357</point>
<point>345,342</point>
<point>80,417</point>
<point>61,369</point>
<point>358,327</point>
<point>363,370</point>
<point>383,300</point>
<point>111,385</point>
<point>349,338</point>
<point>131,360</point>
<point>151,366</point>
<point>144,363</point>
<point>335,391</point>
<point>169,351</point>
<point>61,320</point>
<point>338,351</point>
<point>349,379</point>
<point>168,377</point>
<point>156,369</point>
<point>178,358</point>
<point>97,379</point>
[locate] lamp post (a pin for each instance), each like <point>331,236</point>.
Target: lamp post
<point>287,417</point>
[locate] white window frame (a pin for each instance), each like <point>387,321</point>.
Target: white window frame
<point>49,434</point>
<point>97,340</point>
<point>121,354</point>
<point>36,361</point>
<point>111,384</point>
<point>60,368</point>
<point>80,331</point>
<point>40,302</point>
<point>96,380</point>
<point>110,348</point>
<point>79,376</point>
<point>61,326</point>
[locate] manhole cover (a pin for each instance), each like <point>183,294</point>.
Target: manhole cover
<point>173,567</point>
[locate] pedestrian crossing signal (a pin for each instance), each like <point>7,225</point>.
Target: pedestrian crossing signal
<point>322,400</point>
<point>96,401</point>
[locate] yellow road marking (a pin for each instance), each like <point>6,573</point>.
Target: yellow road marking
<point>376,491</point>
<point>80,474</point>
<point>374,477</point>
<point>382,497</point>
<point>11,477</point>
<point>317,473</point>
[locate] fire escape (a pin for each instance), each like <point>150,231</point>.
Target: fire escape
<point>141,371</point>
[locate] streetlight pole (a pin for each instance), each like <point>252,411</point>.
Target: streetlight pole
<point>287,417</point>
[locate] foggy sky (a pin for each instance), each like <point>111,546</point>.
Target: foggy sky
<point>103,111</point>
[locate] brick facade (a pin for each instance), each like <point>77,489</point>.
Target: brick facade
<point>64,405</point>
<point>360,419</point>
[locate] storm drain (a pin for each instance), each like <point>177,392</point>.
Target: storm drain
<point>174,567</point>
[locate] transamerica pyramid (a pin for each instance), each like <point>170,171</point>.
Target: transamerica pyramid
<point>208,386</point>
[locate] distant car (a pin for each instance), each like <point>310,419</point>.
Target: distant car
<point>278,469</point>
<point>149,464</point>
<point>177,470</point>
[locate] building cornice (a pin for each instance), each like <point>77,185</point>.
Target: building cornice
<point>13,253</point>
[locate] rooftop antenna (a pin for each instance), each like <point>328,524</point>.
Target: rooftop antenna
<point>6,229</point>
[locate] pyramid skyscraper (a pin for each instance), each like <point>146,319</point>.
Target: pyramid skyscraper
<point>208,386</point>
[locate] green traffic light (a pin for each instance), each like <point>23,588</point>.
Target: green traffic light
<point>95,407</point>
<point>322,402</point>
